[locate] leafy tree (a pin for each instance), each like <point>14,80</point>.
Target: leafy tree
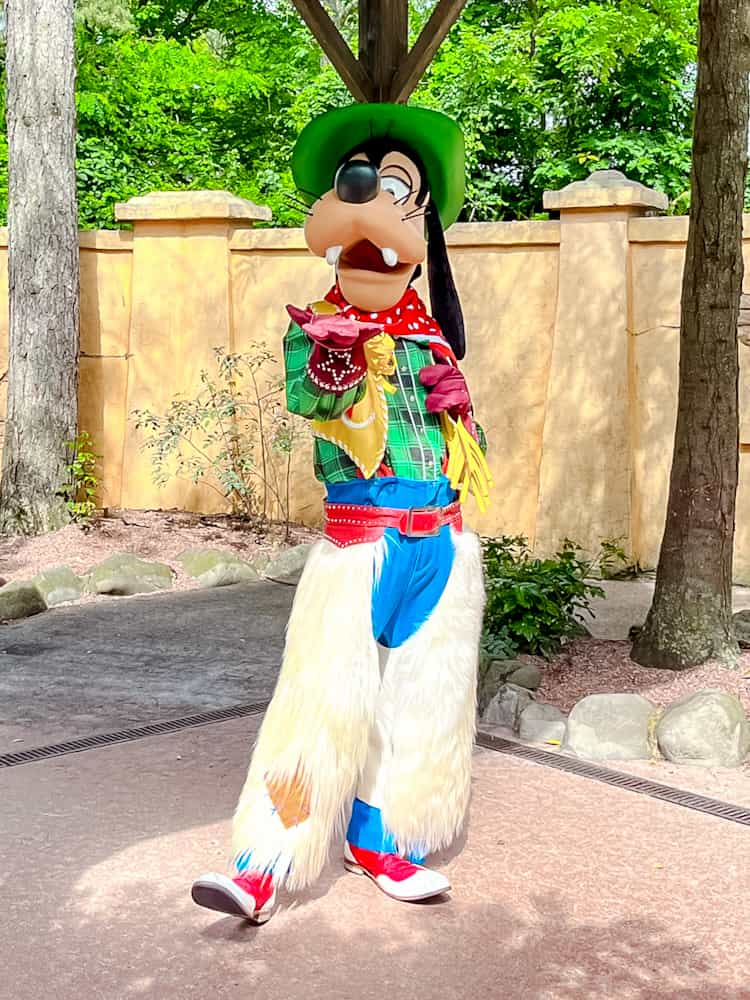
<point>43,271</point>
<point>212,93</point>
<point>690,619</point>
<point>548,90</point>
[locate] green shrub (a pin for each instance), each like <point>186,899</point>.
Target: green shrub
<point>79,492</point>
<point>233,434</point>
<point>533,605</point>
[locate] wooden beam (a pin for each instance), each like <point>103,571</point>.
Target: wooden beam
<point>432,35</point>
<point>383,41</point>
<point>328,37</point>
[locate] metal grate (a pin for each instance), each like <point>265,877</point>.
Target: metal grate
<point>127,735</point>
<point>630,782</point>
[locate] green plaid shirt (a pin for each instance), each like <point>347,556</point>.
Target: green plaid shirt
<point>415,446</point>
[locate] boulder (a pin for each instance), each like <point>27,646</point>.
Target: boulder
<point>260,561</point>
<point>506,706</point>
<point>528,675</point>
<point>540,723</point>
<point>123,574</point>
<point>707,728</point>
<point>610,727</point>
<point>287,566</point>
<point>493,674</point>
<point>216,567</point>
<point>741,622</point>
<point>20,599</point>
<point>59,584</point>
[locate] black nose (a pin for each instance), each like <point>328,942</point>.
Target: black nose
<point>357,181</point>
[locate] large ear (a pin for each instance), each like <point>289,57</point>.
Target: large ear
<point>446,307</point>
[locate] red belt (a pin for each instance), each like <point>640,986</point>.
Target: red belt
<point>349,524</point>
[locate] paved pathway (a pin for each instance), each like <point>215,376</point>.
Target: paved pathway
<point>85,669</point>
<point>564,889</point>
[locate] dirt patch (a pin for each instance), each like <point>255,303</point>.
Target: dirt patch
<point>594,666</point>
<point>151,534</point>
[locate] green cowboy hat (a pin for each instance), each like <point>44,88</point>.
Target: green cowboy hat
<point>436,139</point>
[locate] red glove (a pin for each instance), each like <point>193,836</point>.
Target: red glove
<point>447,390</point>
<point>333,331</point>
<point>337,362</point>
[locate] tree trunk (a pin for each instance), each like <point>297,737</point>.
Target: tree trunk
<point>43,265</point>
<point>690,619</point>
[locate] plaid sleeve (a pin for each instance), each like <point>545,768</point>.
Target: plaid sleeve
<point>481,436</point>
<point>302,395</point>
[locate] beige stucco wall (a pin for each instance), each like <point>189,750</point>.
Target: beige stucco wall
<point>572,360</point>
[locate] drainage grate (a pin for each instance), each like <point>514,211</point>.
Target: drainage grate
<point>126,735</point>
<point>630,782</point>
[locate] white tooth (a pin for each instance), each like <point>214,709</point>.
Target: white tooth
<point>332,255</point>
<point>389,256</point>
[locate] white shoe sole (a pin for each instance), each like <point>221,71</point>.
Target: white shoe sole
<point>217,892</point>
<point>355,869</point>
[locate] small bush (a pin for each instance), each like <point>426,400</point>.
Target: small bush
<point>233,434</point>
<point>533,605</point>
<point>79,492</point>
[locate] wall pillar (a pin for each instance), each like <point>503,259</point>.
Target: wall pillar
<point>585,471</point>
<point>181,310</point>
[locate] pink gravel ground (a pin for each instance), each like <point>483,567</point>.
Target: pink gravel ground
<point>156,535</point>
<point>593,666</point>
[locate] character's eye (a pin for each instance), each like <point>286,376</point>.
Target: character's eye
<point>397,186</point>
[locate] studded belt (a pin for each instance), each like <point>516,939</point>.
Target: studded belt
<point>351,524</point>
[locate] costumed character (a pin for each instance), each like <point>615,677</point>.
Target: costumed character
<point>371,725</point>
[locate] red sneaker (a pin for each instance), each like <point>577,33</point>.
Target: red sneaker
<point>397,877</point>
<point>251,895</point>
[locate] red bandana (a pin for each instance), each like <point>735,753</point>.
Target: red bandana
<point>408,318</point>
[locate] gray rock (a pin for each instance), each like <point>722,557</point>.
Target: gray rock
<point>216,567</point>
<point>540,723</point>
<point>708,728</point>
<point>493,674</point>
<point>20,599</point>
<point>287,566</point>
<point>611,727</point>
<point>59,584</point>
<point>507,705</point>
<point>123,574</point>
<point>527,676</point>
<point>741,621</point>
<point>260,561</point>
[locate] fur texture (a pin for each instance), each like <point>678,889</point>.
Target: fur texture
<point>318,721</point>
<point>433,676</point>
<point>332,720</point>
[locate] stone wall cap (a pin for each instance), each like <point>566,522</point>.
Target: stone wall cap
<point>605,189</point>
<point>163,205</point>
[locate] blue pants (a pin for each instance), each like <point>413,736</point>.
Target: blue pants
<point>413,574</point>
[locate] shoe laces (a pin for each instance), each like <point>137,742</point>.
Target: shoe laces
<point>398,868</point>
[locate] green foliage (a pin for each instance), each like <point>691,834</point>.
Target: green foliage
<point>533,605</point>
<point>233,435</point>
<point>212,94</point>
<point>549,90</point>
<point>613,563</point>
<point>79,492</point>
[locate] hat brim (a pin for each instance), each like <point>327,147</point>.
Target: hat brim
<point>434,137</point>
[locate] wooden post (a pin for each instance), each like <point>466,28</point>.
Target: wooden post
<point>383,42</point>
<point>385,69</point>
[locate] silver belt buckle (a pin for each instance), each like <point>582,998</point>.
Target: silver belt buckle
<point>416,532</point>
